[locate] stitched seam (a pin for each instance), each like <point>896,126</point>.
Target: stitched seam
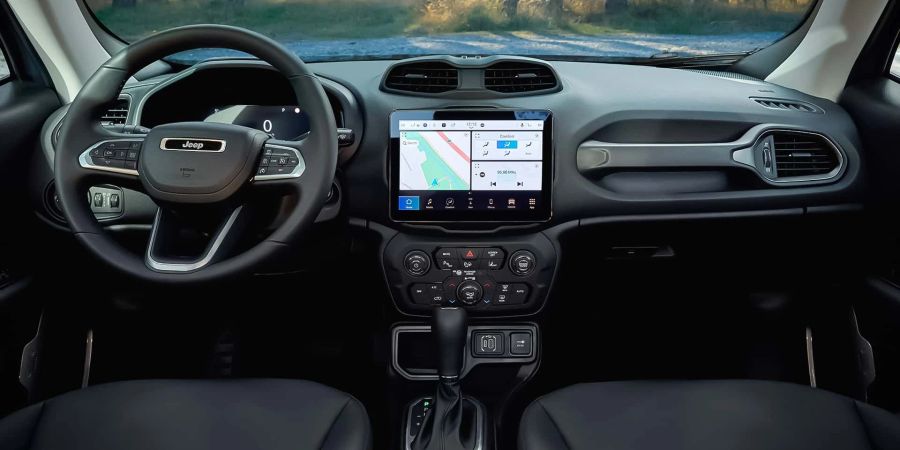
<point>555,425</point>
<point>37,423</point>
<point>331,428</point>
<point>863,423</point>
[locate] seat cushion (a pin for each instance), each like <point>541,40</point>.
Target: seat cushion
<point>704,415</point>
<point>195,415</point>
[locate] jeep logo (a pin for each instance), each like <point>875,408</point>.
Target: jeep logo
<point>192,144</point>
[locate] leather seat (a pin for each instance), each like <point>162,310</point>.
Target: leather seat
<point>704,415</point>
<point>195,415</point>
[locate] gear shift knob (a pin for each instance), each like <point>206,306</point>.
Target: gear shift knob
<point>449,329</point>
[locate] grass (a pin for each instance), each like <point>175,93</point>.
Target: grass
<point>354,19</point>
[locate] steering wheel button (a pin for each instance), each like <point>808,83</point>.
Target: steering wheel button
<point>262,170</point>
<point>292,161</point>
<point>121,154</point>
<point>109,152</point>
<point>132,154</point>
<point>132,165</point>
<point>264,162</point>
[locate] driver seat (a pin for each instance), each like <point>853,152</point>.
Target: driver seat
<point>192,414</point>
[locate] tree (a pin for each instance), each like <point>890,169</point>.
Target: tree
<point>509,8</point>
<point>545,10</point>
<point>616,6</point>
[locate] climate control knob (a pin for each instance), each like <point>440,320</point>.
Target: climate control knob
<point>522,262</point>
<point>469,292</point>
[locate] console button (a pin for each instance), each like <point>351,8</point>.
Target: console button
<point>446,253</point>
<point>469,292</point>
<point>470,254</point>
<point>113,200</point>
<point>489,343</point>
<point>417,263</point>
<point>447,264</point>
<point>435,293</point>
<point>522,262</point>
<point>518,293</point>
<point>492,253</point>
<point>450,286</point>
<point>520,344</point>
<point>493,264</point>
<point>419,293</point>
<point>468,265</point>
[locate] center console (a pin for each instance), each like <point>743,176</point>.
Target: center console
<point>454,174</point>
<point>458,168</point>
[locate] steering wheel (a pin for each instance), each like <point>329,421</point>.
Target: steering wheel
<point>203,176</point>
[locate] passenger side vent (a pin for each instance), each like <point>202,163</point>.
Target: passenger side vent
<point>804,155</point>
<point>116,114</point>
<point>514,77</point>
<point>787,105</point>
<point>423,77</point>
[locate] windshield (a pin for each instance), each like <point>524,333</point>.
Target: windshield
<point>325,30</point>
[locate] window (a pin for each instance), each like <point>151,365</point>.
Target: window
<point>321,30</point>
<point>4,68</point>
<point>895,66</point>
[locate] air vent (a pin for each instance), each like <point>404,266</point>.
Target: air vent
<point>116,114</point>
<point>804,155</point>
<point>787,105</point>
<point>512,77</point>
<point>423,77</point>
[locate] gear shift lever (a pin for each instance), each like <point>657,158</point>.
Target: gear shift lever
<point>449,329</point>
<point>454,422</point>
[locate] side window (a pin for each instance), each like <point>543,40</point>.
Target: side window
<point>4,67</point>
<point>895,66</point>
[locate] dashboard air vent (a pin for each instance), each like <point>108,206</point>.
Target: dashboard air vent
<point>423,77</point>
<point>513,77</point>
<point>787,105</point>
<point>116,113</point>
<point>803,155</point>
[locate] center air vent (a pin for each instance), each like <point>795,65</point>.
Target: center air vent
<point>423,77</point>
<point>800,156</point>
<point>514,77</point>
<point>116,113</point>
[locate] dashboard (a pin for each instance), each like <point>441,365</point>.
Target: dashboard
<point>469,181</point>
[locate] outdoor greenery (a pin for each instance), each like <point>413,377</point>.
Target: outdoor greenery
<point>331,19</point>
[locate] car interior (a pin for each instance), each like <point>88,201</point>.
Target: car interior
<point>216,237</point>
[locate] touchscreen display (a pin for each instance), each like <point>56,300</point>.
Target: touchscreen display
<point>485,165</point>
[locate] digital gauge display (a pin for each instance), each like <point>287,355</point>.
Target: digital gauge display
<point>281,122</point>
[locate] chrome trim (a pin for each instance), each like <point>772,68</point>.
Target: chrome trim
<point>88,355</point>
<point>810,361</point>
<point>301,165</point>
<point>162,144</point>
<point>207,257</point>
<point>85,162</point>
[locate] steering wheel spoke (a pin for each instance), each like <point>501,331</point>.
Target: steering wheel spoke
<point>174,231</point>
<point>114,156</point>
<point>281,164</point>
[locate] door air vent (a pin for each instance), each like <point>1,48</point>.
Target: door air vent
<point>802,156</point>
<point>516,77</point>
<point>422,77</point>
<point>116,113</point>
<point>788,105</point>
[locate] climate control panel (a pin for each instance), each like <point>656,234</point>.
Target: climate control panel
<point>506,276</point>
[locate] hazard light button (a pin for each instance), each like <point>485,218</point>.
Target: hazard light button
<point>470,253</point>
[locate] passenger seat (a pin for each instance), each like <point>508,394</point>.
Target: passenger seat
<point>704,415</point>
